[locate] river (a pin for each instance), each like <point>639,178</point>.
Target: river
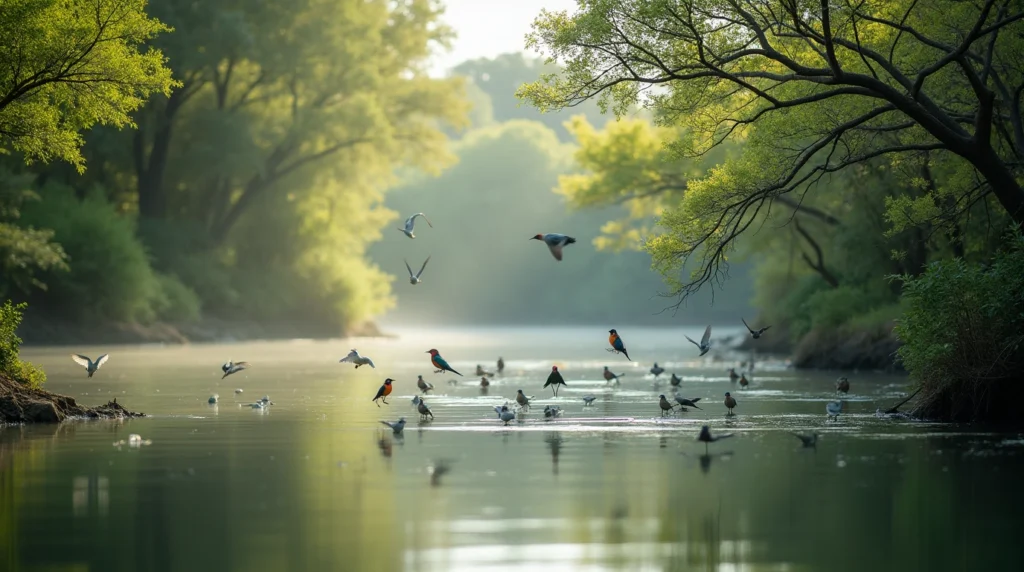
<point>315,482</point>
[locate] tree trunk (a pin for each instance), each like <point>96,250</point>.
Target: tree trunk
<point>1004,185</point>
<point>150,169</point>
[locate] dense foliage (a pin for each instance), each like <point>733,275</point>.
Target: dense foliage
<point>10,364</point>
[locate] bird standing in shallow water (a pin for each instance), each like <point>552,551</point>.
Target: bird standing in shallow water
<point>664,404</point>
<point>552,411</point>
<point>705,342</point>
<point>554,380</point>
<point>484,382</point>
<point>842,385</point>
<point>730,402</point>
<point>230,367</point>
<point>657,370</point>
<point>684,402</point>
<point>755,333</point>
<point>505,415</point>
<point>523,400</point>
<point>397,426</point>
<point>808,440</point>
<point>424,410</point>
<point>501,365</point>
<point>610,377</point>
<point>833,409</point>
<point>676,380</point>
<point>588,400</point>
<point>617,345</point>
<point>733,376</point>
<point>383,392</point>
<point>481,371</point>
<point>744,381</point>
<point>414,279</point>
<point>354,357</point>
<point>555,242</point>
<point>423,385</point>
<point>438,361</point>
<point>410,224</point>
<point>91,366</point>
<point>706,437</point>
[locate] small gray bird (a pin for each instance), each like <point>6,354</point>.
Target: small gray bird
<point>665,405</point>
<point>808,440</point>
<point>755,333</point>
<point>705,342</point>
<point>410,224</point>
<point>676,380</point>
<point>481,372</point>
<point>688,402</point>
<point>437,470</point>
<point>706,437</point>
<point>552,411</point>
<point>397,426</point>
<point>414,279</point>
<point>213,399</point>
<point>657,370</point>
<point>505,414</point>
<point>555,242</point>
<point>554,380</point>
<point>588,400</point>
<point>523,400</point>
<point>501,365</point>
<point>233,367</point>
<point>833,409</point>
<point>423,385</point>
<point>424,410</point>
<point>89,365</point>
<point>354,357</point>
<point>842,385</point>
<point>415,400</point>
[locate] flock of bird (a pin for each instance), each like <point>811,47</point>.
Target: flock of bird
<point>507,413</point>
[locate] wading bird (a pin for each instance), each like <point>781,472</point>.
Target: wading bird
<point>438,361</point>
<point>706,437</point>
<point>481,371</point>
<point>833,409</point>
<point>808,440</point>
<point>733,376</point>
<point>423,385</point>
<point>744,381</point>
<point>505,414</point>
<point>383,392</point>
<point>610,377</point>
<point>354,357</point>
<point>397,426</point>
<point>555,242</point>
<point>755,333</point>
<point>410,224</point>
<point>552,411</point>
<point>554,380</point>
<point>424,410</point>
<point>664,404</point>
<point>730,402</point>
<point>523,400</point>
<point>675,380</point>
<point>657,370</point>
<point>705,342</point>
<point>414,279</point>
<point>616,343</point>
<point>842,385</point>
<point>89,365</point>
<point>501,365</point>
<point>684,402</point>
<point>588,400</point>
<point>233,367</point>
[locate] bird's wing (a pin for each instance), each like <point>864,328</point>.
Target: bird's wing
<point>369,362</point>
<point>556,251</point>
<point>380,392</point>
<point>411,275</point>
<point>413,218</point>
<point>747,325</point>
<point>101,360</point>
<point>422,268</point>
<point>81,360</point>
<point>691,340</point>
<point>707,337</point>
<point>388,423</point>
<point>241,364</point>
<point>695,399</point>
<point>349,358</point>
<point>765,329</point>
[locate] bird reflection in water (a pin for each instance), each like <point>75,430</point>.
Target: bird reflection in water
<point>554,441</point>
<point>437,469</point>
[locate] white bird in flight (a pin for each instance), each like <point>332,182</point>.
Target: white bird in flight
<point>354,357</point>
<point>555,242</point>
<point>705,342</point>
<point>414,279</point>
<point>89,365</point>
<point>410,224</point>
<point>233,367</point>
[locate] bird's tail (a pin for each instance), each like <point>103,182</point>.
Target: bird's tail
<point>626,354</point>
<point>455,372</point>
<point>570,240</point>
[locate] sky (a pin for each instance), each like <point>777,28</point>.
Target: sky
<point>487,28</point>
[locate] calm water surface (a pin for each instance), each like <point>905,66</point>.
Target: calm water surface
<point>317,483</point>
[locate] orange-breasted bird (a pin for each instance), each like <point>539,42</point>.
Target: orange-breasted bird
<point>617,345</point>
<point>610,377</point>
<point>743,380</point>
<point>842,385</point>
<point>554,380</point>
<point>383,392</point>
<point>438,361</point>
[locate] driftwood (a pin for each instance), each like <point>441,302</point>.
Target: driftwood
<point>895,408</point>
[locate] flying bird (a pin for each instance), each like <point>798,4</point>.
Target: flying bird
<point>664,404</point>
<point>808,440</point>
<point>755,333</point>
<point>688,402</point>
<point>555,242</point>
<point>706,437</point>
<point>424,410</point>
<point>610,377</point>
<point>657,370</point>
<point>438,361</point>
<point>397,426</point>
<point>501,365</point>
<point>676,380</point>
<point>842,385</point>
<point>89,365</point>
<point>705,342</point>
<point>423,385</point>
<point>617,345</point>
<point>480,371</point>
<point>833,409</point>
<point>383,392</point>
<point>233,367</point>
<point>410,224</point>
<point>730,403</point>
<point>354,357</point>
<point>554,380</point>
<point>414,279</point>
<point>523,400</point>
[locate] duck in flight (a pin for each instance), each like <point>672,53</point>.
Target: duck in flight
<point>705,342</point>
<point>410,224</point>
<point>754,333</point>
<point>555,242</point>
<point>414,279</point>
<point>233,367</point>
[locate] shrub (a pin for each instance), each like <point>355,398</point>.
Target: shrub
<point>176,302</point>
<point>963,335</point>
<point>10,348</point>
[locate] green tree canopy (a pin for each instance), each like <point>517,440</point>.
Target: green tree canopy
<point>66,65</point>
<point>812,88</point>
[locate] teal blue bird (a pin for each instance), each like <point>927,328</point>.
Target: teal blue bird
<point>438,361</point>
<point>616,343</point>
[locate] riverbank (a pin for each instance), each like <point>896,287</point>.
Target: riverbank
<point>847,347</point>
<point>41,330</point>
<point>20,404</point>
